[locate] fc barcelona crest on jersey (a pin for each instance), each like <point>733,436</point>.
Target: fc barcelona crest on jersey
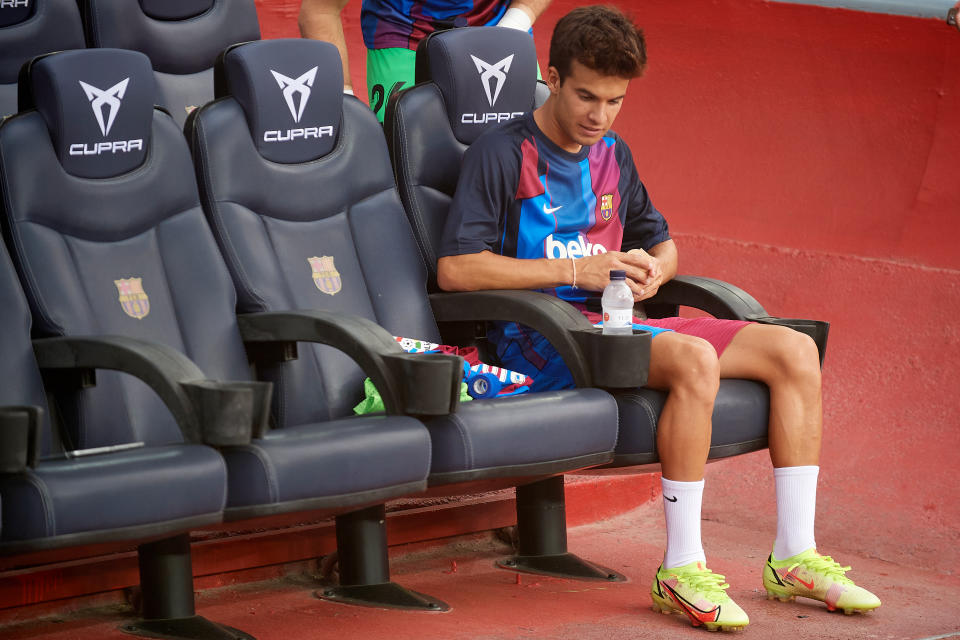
<point>133,298</point>
<point>325,274</point>
<point>606,206</point>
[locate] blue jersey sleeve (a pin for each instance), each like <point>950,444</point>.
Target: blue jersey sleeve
<point>486,188</point>
<point>644,227</point>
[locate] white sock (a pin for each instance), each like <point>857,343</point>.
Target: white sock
<point>796,509</point>
<point>681,508</point>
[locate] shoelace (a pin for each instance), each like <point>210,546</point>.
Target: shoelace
<point>826,566</point>
<point>711,585</point>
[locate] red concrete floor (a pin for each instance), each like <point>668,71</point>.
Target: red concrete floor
<point>489,603</point>
<point>809,156</point>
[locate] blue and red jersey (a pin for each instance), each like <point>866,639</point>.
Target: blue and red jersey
<point>522,196</point>
<point>404,23</point>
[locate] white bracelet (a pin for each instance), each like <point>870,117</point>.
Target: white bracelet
<point>573,263</point>
<point>516,18</point>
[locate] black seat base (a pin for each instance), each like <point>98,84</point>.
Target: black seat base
<point>561,565</point>
<point>388,595</point>
<point>192,628</point>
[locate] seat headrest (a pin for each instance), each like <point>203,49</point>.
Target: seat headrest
<point>485,75</point>
<point>15,11</point>
<point>174,9</point>
<point>98,106</point>
<point>291,91</point>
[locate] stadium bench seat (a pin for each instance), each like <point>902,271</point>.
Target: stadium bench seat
<point>182,38</point>
<point>431,125</point>
<point>29,28</point>
<point>103,216</point>
<point>291,172</point>
<point>120,486</point>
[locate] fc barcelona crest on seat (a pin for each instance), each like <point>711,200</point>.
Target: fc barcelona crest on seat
<point>133,298</point>
<point>325,274</point>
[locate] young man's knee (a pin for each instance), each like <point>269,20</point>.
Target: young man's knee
<point>687,363</point>
<point>799,357</point>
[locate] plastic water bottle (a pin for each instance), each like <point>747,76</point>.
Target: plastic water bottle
<point>617,302</point>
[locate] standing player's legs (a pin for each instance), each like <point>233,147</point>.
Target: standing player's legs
<point>788,363</point>
<point>388,71</point>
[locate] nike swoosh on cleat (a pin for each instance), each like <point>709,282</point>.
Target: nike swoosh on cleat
<point>549,210</point>
<point>673,499</point>
<point>791,574</point>
<point>697,615</point>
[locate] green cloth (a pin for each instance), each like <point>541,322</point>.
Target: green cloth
<point>373,403</point>
<point>388,70</point>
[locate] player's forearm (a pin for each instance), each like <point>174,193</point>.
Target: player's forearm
<point>533,8</point>
<point>320,20</point>
<point>486,270</point>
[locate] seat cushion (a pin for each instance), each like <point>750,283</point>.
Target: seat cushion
<point>110,491</point>
<point>740,416</point>
<point>328,459</point>
<point>523,430</point>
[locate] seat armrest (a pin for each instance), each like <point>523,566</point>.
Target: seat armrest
<point>410,384</point>
<point>19,438</point>
<point>207,411</point>
<point>724,300</point>
<point>718,298</point>
<point>594,360</point>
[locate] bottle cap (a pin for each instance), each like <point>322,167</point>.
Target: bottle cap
<point>618,274</point>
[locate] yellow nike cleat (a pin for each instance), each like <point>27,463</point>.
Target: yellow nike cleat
<point>698,593</point>
<point>811,575</point>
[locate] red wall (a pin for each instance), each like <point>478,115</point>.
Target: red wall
<point>810,155</point>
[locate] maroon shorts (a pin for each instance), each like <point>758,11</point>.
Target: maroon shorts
<point>717,332</point>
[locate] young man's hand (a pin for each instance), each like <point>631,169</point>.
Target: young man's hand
<point>654,278</point>
<point>644,273</point>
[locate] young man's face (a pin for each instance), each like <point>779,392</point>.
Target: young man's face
<point>587,103</point>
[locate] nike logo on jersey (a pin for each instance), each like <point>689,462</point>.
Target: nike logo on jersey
<point>549,210</point>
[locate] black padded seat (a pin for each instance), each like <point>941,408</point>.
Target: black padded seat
<point>29,28</point>
<point>740,415</point>
<point>150,494</point>
<point>297,184</point>
<point>516,436</point>
<point>329,192</point>
<point>182,485</point>
<point>182,38</point>
<point>430,126</point>
<point>115,495</point>
<point>103,214</point>
<point>132,254</point>
<point>345,457</point>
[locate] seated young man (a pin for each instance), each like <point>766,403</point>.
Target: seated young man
<point>552,201</point>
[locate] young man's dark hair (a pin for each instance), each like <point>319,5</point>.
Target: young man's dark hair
<point>601,38</point>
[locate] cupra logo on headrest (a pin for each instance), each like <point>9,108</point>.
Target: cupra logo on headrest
<point>493,76</point>
<point>291,86</point>
<point>14,4</point>
<point>105,98</point>
<point>105,104</point>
